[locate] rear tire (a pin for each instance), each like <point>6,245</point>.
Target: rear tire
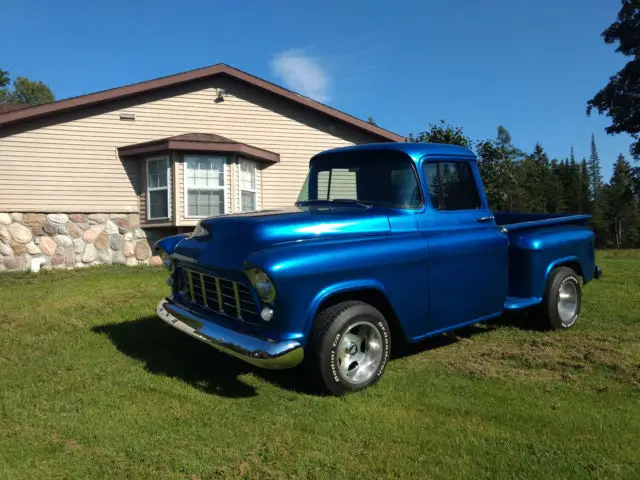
<point>562,299</point>
<point>349,347</point>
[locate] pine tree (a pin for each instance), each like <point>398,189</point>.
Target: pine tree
<point>530,173</point>
<point>542,187</point>
<point>594,169</point>
<point>554,187</point>
<point>585,188</point>
<point>622,204</point>
<point>635,176</point>
<point>568,173</point>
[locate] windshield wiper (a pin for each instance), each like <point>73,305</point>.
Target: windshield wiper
<point>349,201</point>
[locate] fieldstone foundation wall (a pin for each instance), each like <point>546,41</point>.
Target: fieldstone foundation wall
<point>30,241</point>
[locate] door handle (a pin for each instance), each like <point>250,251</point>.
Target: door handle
<point>490,218</point>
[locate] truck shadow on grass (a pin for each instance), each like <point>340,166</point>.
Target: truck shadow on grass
<point>167,352</point>
<point>170,353</point>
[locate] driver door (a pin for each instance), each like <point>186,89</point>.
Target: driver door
<point>468,253</point>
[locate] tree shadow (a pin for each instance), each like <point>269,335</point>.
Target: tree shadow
<point>168,352</point>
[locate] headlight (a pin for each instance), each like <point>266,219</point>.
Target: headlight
<point>166,260</point>
<point>262,283</point>
<point>182,284</point>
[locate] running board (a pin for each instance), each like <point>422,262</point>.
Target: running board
<point>517,303</point>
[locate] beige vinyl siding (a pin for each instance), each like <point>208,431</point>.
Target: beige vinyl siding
<point>74,165</point>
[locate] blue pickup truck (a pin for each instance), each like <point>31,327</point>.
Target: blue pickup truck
<point>387,242</point>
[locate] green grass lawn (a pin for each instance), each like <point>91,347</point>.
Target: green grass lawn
<point>92,385</point>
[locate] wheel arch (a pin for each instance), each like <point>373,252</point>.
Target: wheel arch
<point>367,291</point>
<point>572,262</point>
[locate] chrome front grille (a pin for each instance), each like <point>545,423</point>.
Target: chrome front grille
<point>227,297</point>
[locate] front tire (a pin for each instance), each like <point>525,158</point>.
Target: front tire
<point>349,347</point>
<point>562,299</point>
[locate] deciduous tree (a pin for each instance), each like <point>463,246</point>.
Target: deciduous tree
<point>442,133</point>
<point>23,91</point>
<point>620,98</point>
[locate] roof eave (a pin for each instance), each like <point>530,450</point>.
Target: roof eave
<point>92,99</point>
<point>186,146</point>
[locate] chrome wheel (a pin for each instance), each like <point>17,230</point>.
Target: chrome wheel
<point>360,352</point>
<point>568,301</point>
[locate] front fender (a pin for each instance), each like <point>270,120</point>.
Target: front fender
<point>168,244</point>
<point>340,288</point>
<point>307,273</point>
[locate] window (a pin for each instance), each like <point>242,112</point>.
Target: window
<point>451,185</point>
<point>337,183</point>
<point>158,197</point>
<point>247,186</point>
<point>377,178</point>
<point>204,186</point>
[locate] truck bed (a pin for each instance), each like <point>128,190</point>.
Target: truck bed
<point>537,243</point>
<point>513,221</point>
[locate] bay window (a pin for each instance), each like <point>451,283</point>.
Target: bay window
<point>247,186</point>
<point>158,188</point>
<point>204,185</point>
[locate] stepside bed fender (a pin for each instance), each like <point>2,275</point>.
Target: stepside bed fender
<point>572,262</point>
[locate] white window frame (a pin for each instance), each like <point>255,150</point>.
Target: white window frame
<point>225,163</point>
<point>155,189</point>
<point>255,184</point>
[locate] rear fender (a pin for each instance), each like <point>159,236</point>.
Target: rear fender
<point>571,262</point>
<point>534,253</point>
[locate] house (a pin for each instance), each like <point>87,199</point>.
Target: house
<point>97,178</point>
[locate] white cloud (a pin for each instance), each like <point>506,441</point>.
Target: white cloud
<point>302,73</point>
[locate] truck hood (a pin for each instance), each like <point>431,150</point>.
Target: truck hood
<point>231,238</point>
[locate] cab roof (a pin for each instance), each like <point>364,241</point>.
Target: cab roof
<point>416,150</point>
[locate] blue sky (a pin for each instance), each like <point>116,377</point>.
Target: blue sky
<point>530,66</point>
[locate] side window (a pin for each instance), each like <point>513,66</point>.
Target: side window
<point>451,186</point>
<point>158,189</point>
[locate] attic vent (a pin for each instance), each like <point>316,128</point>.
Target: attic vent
<point>128,116</point>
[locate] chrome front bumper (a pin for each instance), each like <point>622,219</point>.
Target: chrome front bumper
<point>256,351</point>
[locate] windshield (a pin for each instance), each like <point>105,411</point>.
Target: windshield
<point>363,178</point>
